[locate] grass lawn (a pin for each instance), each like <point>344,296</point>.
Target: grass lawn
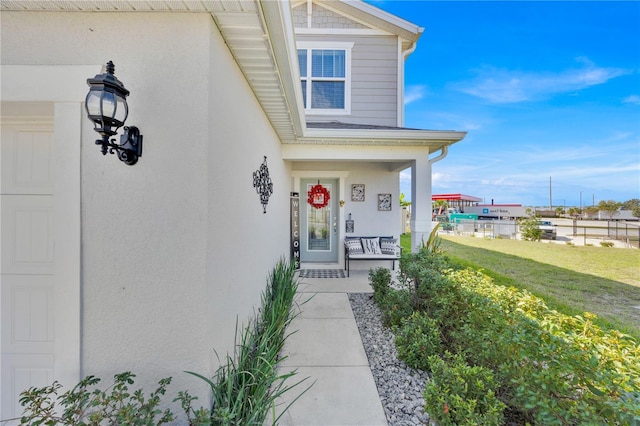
<point>571,279</point>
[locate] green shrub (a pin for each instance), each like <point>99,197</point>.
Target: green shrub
<point>559,369</point>
<point>380,280</point>
<point>394,304</point>
<point>87,404</point>
<point>551,368</point>
<point>422,273</point>
<point>529,227</point>
<point>395,307</point>
<point>628,408</point>
<point>417,340</point>
<point>459,394</point>
<point>606,244</point>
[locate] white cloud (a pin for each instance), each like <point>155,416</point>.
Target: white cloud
<point>633,99</point>
<point>507,86</point>
<point>413,93</point>
<point>405,176</point>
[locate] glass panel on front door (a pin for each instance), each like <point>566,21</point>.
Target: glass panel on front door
<point>319,225</point>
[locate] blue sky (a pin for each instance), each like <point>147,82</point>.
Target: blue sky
<point>545,89</point>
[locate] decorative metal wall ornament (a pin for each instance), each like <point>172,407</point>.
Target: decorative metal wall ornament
<point>263,184</point>
<point>318,196</point>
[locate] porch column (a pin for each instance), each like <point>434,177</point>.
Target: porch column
<point>420,202</point>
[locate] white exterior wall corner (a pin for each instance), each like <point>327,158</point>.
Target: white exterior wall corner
<point>147,250</point>
<point>244,243</point>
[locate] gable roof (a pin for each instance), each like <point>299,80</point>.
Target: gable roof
<point>378,18</point>
<point>261,38</point>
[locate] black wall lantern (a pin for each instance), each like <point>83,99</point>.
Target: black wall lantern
<point>106,106</point>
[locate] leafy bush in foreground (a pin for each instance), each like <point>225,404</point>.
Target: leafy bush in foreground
<point>550,368</point>
<point>462,395</point>
<point>560,369</point>
<point>85,404</point>
<point>417,340</point>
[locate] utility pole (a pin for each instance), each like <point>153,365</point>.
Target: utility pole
<point>550,199</point>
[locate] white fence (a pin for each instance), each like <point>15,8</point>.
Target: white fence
<point>578,231</point>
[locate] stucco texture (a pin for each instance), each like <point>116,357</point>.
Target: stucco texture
<point>177,247</point>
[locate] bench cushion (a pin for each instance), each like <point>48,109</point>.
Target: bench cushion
<point>371,245</point>
<point>388,245</point>
<point>354,246</point>
<point>373,257</point>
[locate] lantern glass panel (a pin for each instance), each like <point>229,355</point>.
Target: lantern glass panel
<point>121,109</point>
<point>108,104</point>
<point>92,103</point>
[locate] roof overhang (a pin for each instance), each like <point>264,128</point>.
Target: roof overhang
<point>261,38</point>
<point>259,34</point>
<point>433,139</point>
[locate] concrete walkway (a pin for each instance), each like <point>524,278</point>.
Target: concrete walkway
<point>327,348</point>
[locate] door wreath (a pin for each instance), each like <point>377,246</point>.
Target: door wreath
<point>318,196</point>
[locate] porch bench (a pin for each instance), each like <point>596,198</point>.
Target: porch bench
<point>371,248</point>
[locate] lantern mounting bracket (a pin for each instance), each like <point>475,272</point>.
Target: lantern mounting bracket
<point>129,149</point>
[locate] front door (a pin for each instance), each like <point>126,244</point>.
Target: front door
<point>319,225</point>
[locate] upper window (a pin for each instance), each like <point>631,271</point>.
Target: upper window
<point>324,72</point>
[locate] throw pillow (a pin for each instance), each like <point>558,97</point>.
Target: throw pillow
<point>354,246</point>
<point>388,245</point>
<point>371,246</point>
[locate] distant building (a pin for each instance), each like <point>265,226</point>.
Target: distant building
<point>457,201</point>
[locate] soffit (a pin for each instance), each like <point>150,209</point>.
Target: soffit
<point>242,24</point>
<point>431,139</point>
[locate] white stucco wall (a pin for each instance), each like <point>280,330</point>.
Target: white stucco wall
<point>244,243</point>
<point>175,248</point>
<point>377,180</point>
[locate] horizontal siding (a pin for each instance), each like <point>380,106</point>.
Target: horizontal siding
<point>389,94</point>
<point>374,79</point>
<point>375,116</point>
<point>380,85</point>
<point>378,100</point>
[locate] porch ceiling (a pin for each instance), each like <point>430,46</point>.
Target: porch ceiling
<point>261,51</point>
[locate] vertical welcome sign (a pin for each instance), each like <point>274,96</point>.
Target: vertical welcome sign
<point>295,229</point>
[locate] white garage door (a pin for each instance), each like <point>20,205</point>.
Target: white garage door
<point>28,262</point>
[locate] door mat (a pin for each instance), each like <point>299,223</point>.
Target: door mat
<point>321,273</point>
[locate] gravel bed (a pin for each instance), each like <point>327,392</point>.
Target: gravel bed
<point>400,387</point>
